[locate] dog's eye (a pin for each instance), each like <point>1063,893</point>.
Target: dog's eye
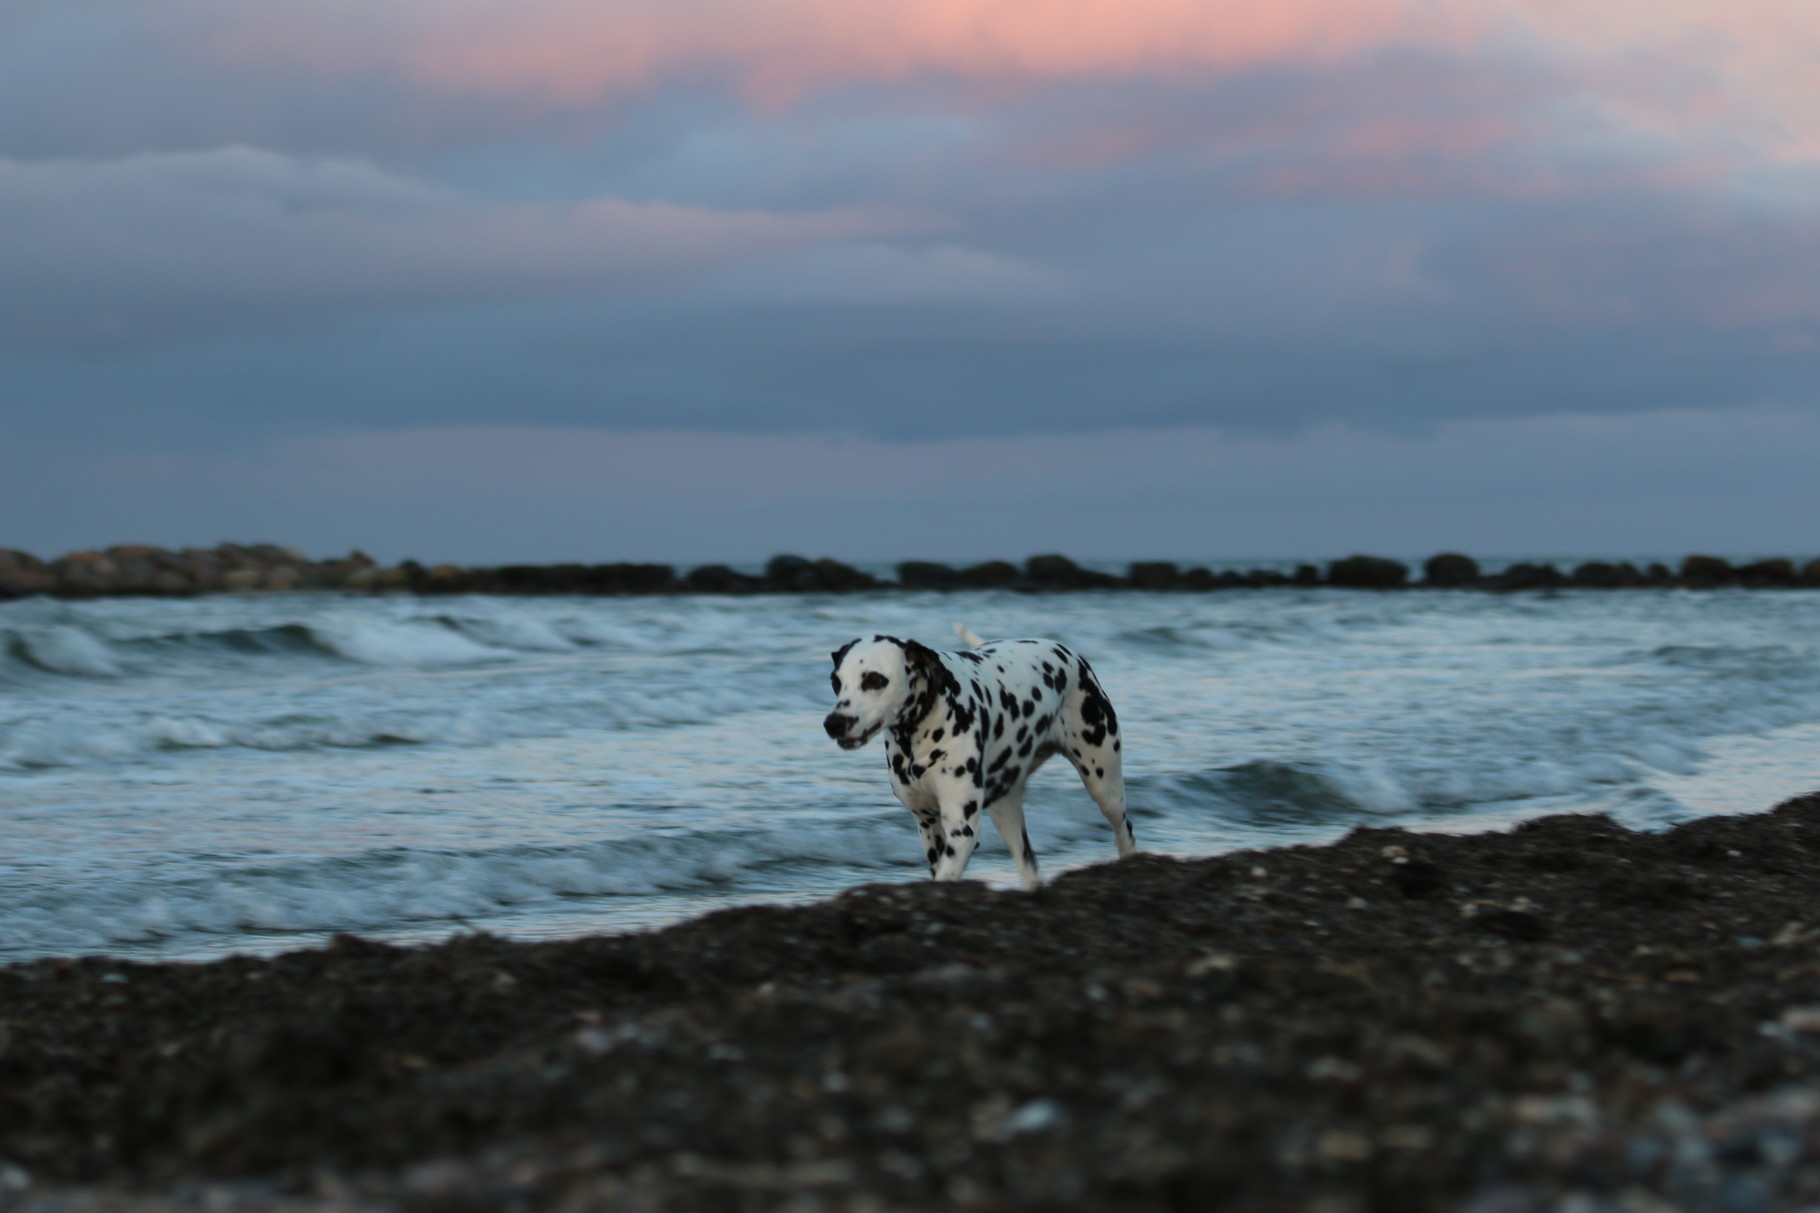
<point>874,681</point>
<point>835,679</point>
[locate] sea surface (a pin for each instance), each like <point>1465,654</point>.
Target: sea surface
<point>189,778</point>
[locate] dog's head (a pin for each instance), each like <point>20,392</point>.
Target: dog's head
<point>873,681</point>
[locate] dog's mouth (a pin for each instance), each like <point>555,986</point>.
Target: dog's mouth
<point>854,743</point>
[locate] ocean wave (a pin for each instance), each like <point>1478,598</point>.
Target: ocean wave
<point>1271,793</point>
<point>394,888</point>
<point>63,649</point>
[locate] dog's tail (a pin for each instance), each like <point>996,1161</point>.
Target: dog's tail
<point>968,636</point>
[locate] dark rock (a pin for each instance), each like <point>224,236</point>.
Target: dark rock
<point>443,579</point>
<point>1768,574</point>
<point>993,574</point>
<point>22,574</point>
<point>1368,573</point>
<point>1154,575</point>
<point>1419,878</point>
<point>839,578</point>
<point>1307,575</point>
<point>1527,576</point>
<point>1053,570</point>
<point>928,575</point>
<point>1266,579</point>
<point>1519,925</point>
<point>1449,570</point>
<point>719,579</point>
<point>1706,572</point>
<point>792,573</point>
<point>1659,574</point>
<point>84,575</point>
<point>1599,575</point>
<point>1810,573</point>
<point>1196,578</point>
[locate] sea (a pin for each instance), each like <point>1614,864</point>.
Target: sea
<point>189,778</point>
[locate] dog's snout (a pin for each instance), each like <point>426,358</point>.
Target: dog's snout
<point>837,725</point>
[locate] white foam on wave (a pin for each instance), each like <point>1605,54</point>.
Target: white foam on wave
<point>391,643</point>
<point>514,632</point>
<point>64,649</point>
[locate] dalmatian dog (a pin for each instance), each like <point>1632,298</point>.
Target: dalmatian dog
<point>965,730</point>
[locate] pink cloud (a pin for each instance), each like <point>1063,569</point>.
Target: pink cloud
<point>577,51</point>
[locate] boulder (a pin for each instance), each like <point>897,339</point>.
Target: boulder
<point>1266,579</point>
<point>1306,575</point>
<point>1527,576</point>
<point>242,581</point>
<point>444,579</point>
<point>842,578</point>
<point>1768,574</point>
<point>1052,570</point>
<point>1154,575</point>
<point>927,575</point>
<point>1056,572</point>
<point>1197,578</point>
<point>1659,574</point>
<point>792,573</point>
<point>1368,573</point>
<point>204,568</point>
<point>84,575</point>
<point>626,578</point>
<point>1450,570</point>
<point>1810,573</point>
<point>22,574</point>
<point>281,578</point>
<point>719,579</point>
<point>1705,572</point>
<point>1598,575</point>
<point>993,574</point>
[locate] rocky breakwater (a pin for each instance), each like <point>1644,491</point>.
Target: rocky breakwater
<point>235,568</point>
<point>229,567</point>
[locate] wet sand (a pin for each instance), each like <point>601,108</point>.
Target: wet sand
<point>1398,1021</point>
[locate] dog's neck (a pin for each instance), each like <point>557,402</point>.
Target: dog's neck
<point>918,702</point>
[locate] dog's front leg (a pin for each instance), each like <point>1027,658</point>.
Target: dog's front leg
<point>960,823</point>
<point>935,839</point>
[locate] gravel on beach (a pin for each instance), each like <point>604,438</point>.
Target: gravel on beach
<point>1569,1015</point>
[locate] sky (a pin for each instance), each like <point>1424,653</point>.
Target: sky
<point>691,280</point>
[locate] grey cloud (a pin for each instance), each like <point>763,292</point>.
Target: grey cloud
<point>179,245</point>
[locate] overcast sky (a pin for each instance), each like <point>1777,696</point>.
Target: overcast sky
<point>602,279</point>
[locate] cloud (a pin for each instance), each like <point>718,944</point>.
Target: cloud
<point>160,246</point>
<point>1673,68</point>
<point>570,52</point>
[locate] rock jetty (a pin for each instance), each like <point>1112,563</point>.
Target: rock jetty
<point>1567,1016</point>
<point>139,569</point>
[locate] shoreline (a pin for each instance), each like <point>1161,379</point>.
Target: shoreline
<point>138,570</point>
<point>1495,1022</point>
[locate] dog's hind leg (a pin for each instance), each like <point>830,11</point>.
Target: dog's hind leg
<point>1008,819</point>
<point>1102,770</point>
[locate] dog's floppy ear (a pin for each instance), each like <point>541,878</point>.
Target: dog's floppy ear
<point>920,655</point>
<point>841,652</point>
